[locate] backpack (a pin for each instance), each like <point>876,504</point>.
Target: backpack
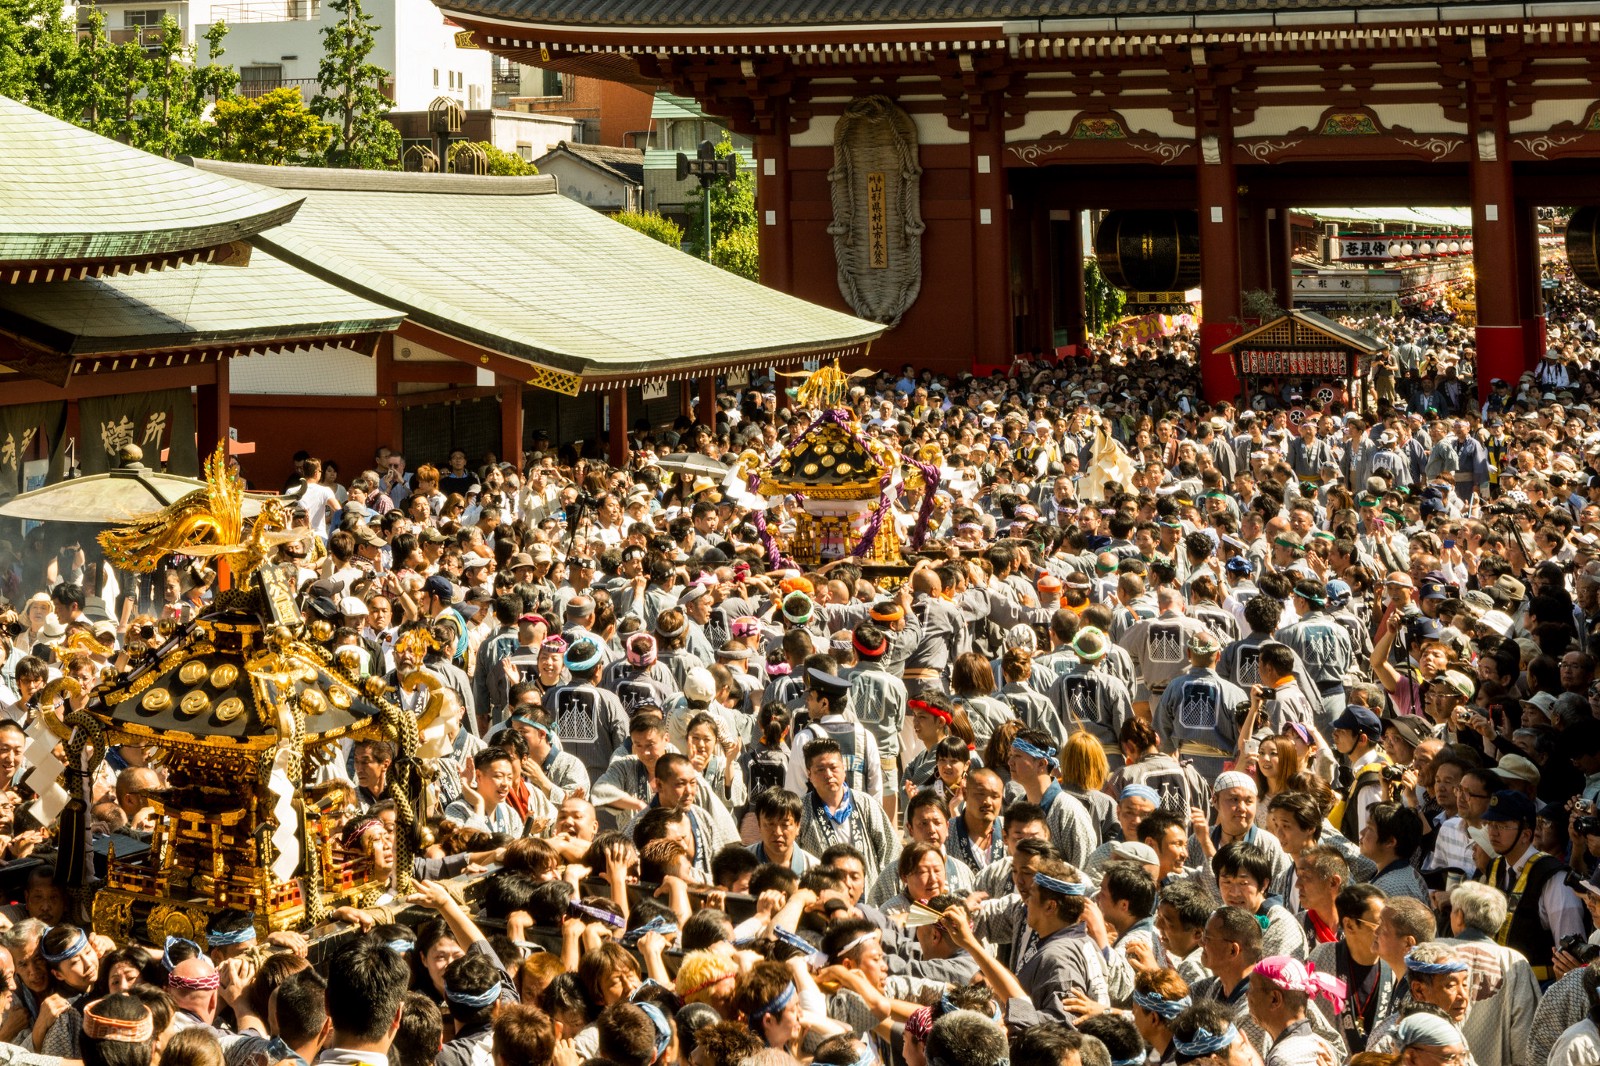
<point>766,768</point>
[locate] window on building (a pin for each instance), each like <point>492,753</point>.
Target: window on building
<point>525,150</point>
<point>255,80</point>
<point>151,16</point>
<point>552,82</point>
<point>435,77</point>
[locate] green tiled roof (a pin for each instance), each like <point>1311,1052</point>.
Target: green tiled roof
<point>667,105</point>
<point>196,306</point>
<point>68,195</point>
<point>667,159</point>
<point>511,266</point>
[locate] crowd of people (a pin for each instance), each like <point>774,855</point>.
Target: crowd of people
<point>1193,734</point>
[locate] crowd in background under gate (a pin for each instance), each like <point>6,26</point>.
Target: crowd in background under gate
<point>1196,734</point>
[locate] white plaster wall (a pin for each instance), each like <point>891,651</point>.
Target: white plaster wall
<point>314,372</point>
<point>1422,118</point>
<point>543,132</point>
<point>585,184</point>
<point>1547,113</point>
<point>1276,121</point>
<point>1046,115</point>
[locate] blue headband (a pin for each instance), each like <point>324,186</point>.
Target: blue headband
<point>778,1003</point>
<point>474,1001</point>
<point>599,915</point>
<point>1427,1030</point>
<point>584,664</point>
<point>1141,792</point>
<point>1135,1061</point>
<point>659,924</point>
<point>659,1020</point>
<point>399,947</point>
<point>1162,1007</point>
<point>1435,969</point>
<point>172,942</point>
<point>1055,884</point>
<point>72,950</point>
<point>227,938</point>
<point>1205,1042</point>
<point>1032,752</point>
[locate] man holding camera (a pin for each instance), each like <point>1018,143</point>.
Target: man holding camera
<point>1545,911</point>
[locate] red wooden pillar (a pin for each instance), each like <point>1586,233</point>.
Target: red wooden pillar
<point>991,263</point>
<point>388,420</point>
<point>1255,271</point>
<point>1530,290</point>
<point>686,399</point>
<point>1280,255</point>
<point>511,421</point>
<point>1219,259</point>
<point>1494,242</point>
<point>1041,270</point>
<point>213,417</point>
<point>773,198</point>
<point>617,440</point>
<point>706,415</point>
<point>1075,311</point>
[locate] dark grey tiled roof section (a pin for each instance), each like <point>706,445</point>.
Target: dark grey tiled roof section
<point>625,163</point>
<point>188,307</point>
<point>534,275</point>
<point>68,194</point>
<point>756,15</point>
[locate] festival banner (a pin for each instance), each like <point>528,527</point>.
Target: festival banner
<point>152,420</point>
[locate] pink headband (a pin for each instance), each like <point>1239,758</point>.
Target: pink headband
<point>210,982</point>
<point>1291,975</point>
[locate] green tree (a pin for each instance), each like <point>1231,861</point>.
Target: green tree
<point>39,62</point>
<point>739,253</point>
<point>351,96</point>
<point>121,72</point>
<point>1102,301</point>
<point>502,164</point>
<point>274,129</point>
<point>733,208</point>
<point>216,79</point>
<point>652,225</point>
<point>170,107</point>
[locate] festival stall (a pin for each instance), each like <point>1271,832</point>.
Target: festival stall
<point>1301,354</point>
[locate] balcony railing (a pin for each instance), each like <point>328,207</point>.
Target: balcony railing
<point>268,11</point>
<point>144,36</point>
<point>252,89</point>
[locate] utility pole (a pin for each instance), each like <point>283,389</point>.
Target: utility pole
<point>706,168</point>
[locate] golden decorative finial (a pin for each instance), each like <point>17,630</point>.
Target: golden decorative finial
<point>826,387</point>
<point>207,522</point>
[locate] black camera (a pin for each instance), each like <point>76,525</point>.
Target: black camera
<point>1577,945</point>
<point>1588,826</point>
<point>1393,773</point>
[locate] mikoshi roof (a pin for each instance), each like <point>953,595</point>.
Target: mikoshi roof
<point>827,463</point>
<point>200,684</point>
<point>230,309</point>
<point>755,16</point>
<point>75,204</point>
<point>513,267</point>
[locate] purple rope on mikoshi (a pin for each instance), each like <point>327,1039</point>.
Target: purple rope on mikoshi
<point>776,560</point>
<point>930,485</point>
